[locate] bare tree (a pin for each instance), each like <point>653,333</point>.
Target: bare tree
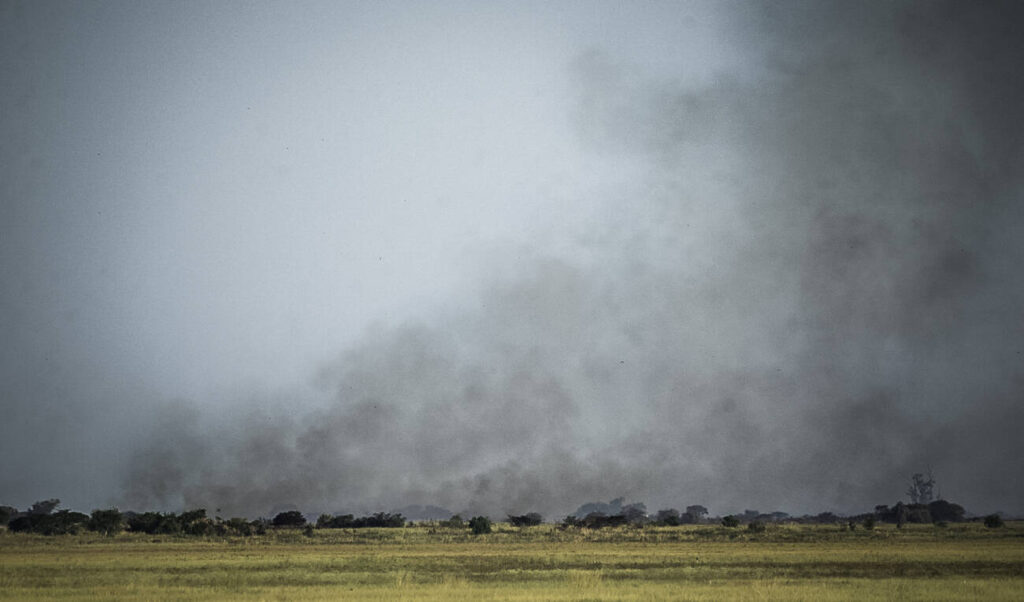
<point>921,489</point>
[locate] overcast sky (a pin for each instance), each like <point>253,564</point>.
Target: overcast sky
<point>509,256</point>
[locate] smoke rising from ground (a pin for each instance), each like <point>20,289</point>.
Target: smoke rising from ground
<point>812,292</point>
<point>815,292</point>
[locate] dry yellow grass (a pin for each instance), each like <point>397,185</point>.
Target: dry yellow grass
<point>423,563</point>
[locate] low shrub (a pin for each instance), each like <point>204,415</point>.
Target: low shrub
<point>993,521</point>
<point>526,520</point>
<point>480,525</point>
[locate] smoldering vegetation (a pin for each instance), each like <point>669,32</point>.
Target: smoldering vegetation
<point>814,289</point>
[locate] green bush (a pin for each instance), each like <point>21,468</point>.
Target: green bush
<point>993,521</point>
<point>730,521</point>
<point>480,525</point>
<point>291,518</point>
<point>64,522</point>
<point>107,522</point>
<point>526,520</point>
<point>455,522</point>
<point>756,526</point>
<point>239,526</point>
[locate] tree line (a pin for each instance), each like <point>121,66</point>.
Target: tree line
<point>44,518</point>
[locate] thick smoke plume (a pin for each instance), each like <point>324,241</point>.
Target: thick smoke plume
<point>814,292</point>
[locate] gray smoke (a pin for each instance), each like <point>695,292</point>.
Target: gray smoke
<point>814,292</point>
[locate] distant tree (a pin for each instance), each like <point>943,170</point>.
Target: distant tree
<point>59,523</point>
<point>239,526</point>
<point>901,513</point>
<point>730,521</point>
<point>668,517</point>
<point>291,518</point>
<point>480,525</point>
<point>916,513</point>
<point>193,515</point>
<point>44,507</point>
<point>195,522</point>
<point>381,519</point>
<point>63,522</point>
<point>826,517</point>
<point>634,513</point>
<point>993,521</point>
<point>340,521</point>
<point>526,520</point>
<point>572,521</point>
<point>147,522</point>
<point>694,514</point>
<point>941,510</point>
<point>202,527</point>
<point>7,513</point>
<point>107,522</point>
<point>921,490</point>
<point>170,524</point>
<point>455,522</point>
<point>611,508</point>
<point>869,523</point>
<point>259,526</point>
<point>20,524</point>
<point>347,521</point>
<point>598,520</point>
<point>394,520</point>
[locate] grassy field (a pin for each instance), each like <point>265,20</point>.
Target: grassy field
<point>920,562</point>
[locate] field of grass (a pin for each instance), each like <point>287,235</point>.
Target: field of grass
<point>808,562</point>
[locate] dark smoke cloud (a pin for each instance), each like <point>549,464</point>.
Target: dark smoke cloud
<point>814,293</point>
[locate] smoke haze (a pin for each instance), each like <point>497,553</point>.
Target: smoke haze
<point>757,255</point>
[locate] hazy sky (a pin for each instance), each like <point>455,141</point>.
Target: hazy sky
<point>510,256</point>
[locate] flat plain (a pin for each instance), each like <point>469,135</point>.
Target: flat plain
<point>695,562</point>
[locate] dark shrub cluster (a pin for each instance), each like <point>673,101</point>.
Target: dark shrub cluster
<point>64,522</point>
<point>107,522</point>
<point>291,518</point>
<point>480,525</point>
<point>668,518</point>
<point>933,512</point>
<point>192,522</point>
<point>42,519</point>
<point>595,520</point>
<point>455,522</point>
<point>993,521</point>
<point>348,521</point>
<point>526,520</point>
